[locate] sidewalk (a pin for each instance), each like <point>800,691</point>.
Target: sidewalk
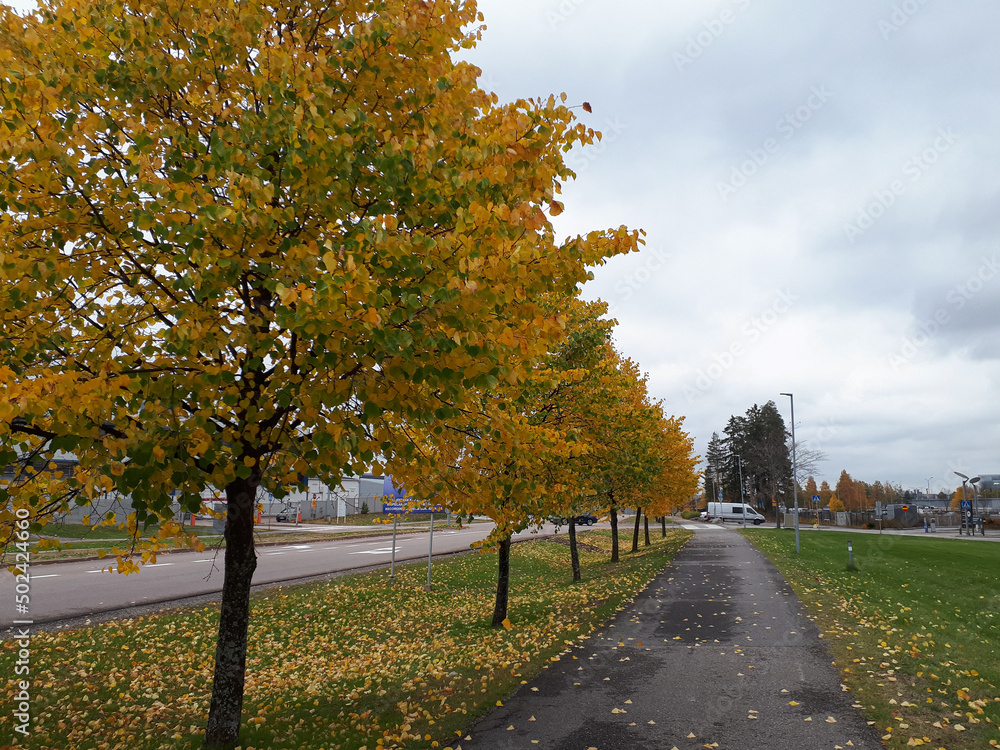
<point>716,652</point>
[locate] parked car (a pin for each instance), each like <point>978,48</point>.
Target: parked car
<point>287,515</point>
<point>587,519</point>
<point>703,516</point>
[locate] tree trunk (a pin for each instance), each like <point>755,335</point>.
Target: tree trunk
<point>225,712</point>
<point>614,530</point>
<point>503,583</point>
<point>574,553</point>
<point>663,524</point>
<point>635,531</point>
<point>645,521</point>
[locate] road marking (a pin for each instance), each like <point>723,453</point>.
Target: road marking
<point>275,553</point>
<point>47,575</point>
<point>381,551</point>
<point>156,565</point>
<point>207,559</point>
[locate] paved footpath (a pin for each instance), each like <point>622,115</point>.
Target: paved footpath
<point>716,652</point>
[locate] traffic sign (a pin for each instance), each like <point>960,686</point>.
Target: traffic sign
<point>816,498</point>
<point>966,504</point>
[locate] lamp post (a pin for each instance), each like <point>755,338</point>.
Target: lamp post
<point>743,502</point>
<point>973,483</point>
<point>975,503</point>
<point>928,480</point>
<point>795,487</point>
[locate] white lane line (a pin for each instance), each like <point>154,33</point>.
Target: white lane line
<point>47,575</point>
<point>381,551</point>
<point>207,559</point>
<point>156,565</point>
<point>275,553</point>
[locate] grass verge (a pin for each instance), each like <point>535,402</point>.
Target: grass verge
<point>352,663</point>
<point>914,629</point>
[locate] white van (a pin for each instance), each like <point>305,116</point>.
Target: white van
<point>734,512</point>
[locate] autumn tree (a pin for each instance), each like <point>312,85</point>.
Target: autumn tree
<point>620,433</point>
<point>810,489</point>
<point>241,243</point>
<point>507,456</point>
<point>835,505</point>
<point>825,493</point>
<point>957,497</point>
<point>846,491</point>
<point>676,478</point>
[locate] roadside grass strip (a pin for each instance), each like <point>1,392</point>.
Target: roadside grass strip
<point>355,663</point>
<point>914,630</point>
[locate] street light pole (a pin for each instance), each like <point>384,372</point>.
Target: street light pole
<point>965,499</point>
<point>743,502</point>
<point>795,484</point>
<point>961,524</point>
<point>928,480</point>
<point>975,502</point>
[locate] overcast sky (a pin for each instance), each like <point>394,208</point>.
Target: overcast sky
<point>819,187</point>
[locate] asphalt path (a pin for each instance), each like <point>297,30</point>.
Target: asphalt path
<point>73,591</point>
<point>716,652</point>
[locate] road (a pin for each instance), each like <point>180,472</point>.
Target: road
<point>82,589</point>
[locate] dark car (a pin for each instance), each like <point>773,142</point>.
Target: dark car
<point>586,520</point>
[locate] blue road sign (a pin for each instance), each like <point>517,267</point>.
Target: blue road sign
<point>816,498</point>
<point>966,504</point>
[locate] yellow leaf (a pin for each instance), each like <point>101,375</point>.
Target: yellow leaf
<point>506,623</point>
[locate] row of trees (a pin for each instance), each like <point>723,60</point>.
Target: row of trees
<point>243,244</point>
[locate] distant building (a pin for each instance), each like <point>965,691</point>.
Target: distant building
<point>989,481</point>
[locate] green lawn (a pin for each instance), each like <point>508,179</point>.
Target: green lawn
<point>352,663</point>
<point>915,629</point>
